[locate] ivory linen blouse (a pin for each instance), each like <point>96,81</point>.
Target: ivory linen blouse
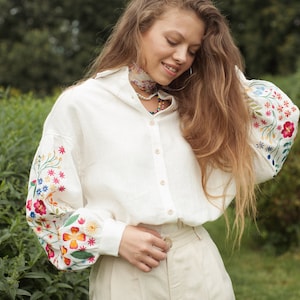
<point>105,162</point>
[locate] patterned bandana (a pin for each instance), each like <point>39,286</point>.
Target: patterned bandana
<point>141,79</point>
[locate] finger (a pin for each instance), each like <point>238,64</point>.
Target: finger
<point>151,231</point>
<point>161,244</point>
<point>143,267</point>
<point>150,261</point>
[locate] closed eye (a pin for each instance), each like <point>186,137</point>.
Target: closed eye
<point>172,43</point>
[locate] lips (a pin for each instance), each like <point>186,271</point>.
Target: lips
<point>171,69</point>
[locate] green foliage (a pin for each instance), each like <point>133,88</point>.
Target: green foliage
<point>50,43</point>
<point>41,50</point>
<point>25,272</point>
<point>267,37</point>
<point>279,205</point>
<point>256,273</point>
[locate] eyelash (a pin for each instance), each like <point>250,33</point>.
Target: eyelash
<point>173,44</point>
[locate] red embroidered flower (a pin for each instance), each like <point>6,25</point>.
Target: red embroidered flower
<point>51,172</point>
<point>91,259</point>
<point>49,251</point>
<point>91,242</point>
<point>40,207</point>
<point>81,221</point>
<point>61,188</point>
<point>74,237</point>
<point>29,204</point>
<point>288,129</point>
<point>61,150</point>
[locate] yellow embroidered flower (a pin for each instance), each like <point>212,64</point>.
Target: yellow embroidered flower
<point>91,227</point>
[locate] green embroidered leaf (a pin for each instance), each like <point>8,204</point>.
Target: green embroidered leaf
<point>71,220</point>
<point>82,255</point>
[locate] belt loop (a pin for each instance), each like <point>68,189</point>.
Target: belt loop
<point>197,233</point>
<point>180,224</point>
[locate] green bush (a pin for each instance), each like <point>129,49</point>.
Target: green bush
<point>25,272</point>
<point>279,206</point>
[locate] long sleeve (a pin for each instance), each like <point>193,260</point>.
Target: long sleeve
<point>72,234</point>
<point>274,125</point>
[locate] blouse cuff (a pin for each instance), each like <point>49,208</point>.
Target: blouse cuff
<point>111,237</point>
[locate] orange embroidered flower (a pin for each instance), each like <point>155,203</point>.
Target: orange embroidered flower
<point>74,237</point>
<point>64,250</point>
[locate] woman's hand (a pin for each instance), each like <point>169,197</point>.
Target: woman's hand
<point>143,247</point>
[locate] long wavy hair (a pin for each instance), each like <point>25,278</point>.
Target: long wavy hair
<point>214,115</point>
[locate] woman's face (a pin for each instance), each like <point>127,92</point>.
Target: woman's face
<point>169,46</point>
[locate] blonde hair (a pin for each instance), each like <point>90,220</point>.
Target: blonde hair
<point>214,116</point>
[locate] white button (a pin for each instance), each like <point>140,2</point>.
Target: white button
<point>170,212</point>
<point>162,182</point>
<point>152,123</point>
<point>157,151</point>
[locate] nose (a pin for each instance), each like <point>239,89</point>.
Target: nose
<point>180,55</point>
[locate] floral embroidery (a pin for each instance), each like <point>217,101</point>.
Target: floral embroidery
<point>270,112</point>
<point>288,129</point>
<point>40,207</point>
<point>49,217</point>
<point>74,236</point>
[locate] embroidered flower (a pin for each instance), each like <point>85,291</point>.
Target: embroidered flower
<point>29,204</point>
<point>51,172</point>
<point>91,242</point>
<point>91,259</point>
<point>61,150</point>
<point>81,221</point>
<point>91,227</point>
<point>49,251</point>
<point>288,129</point>
<point>74,237</point>
<point>40,207</point>
<point>258,91</point>
<point>61,188</point>
<point>64,250</point>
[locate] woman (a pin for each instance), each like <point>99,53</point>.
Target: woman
<point>158,140</point>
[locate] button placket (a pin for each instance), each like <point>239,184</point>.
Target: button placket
<point>160,168</point>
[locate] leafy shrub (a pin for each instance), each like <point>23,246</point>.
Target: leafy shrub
<point>25,272</point>
<point>279,205</point>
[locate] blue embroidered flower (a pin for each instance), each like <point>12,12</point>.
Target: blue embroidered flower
<point>259,90</point>
<point>260,145</point>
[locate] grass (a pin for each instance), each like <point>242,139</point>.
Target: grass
<point>257,273</point>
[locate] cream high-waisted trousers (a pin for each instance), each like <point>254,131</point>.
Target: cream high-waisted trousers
<point>193,270</point>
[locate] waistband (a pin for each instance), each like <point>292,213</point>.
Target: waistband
<point>178,234</point>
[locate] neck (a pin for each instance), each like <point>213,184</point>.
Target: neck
<point>140,79</point>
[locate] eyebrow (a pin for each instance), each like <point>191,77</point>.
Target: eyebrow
<point>181,36</point>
